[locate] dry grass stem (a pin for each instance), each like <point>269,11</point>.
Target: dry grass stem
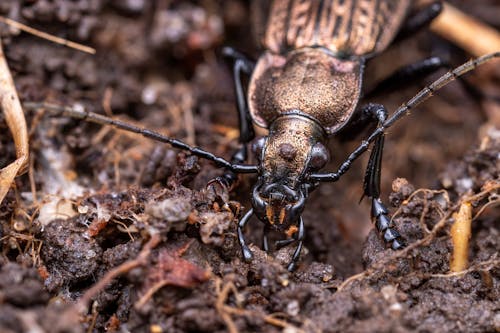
<point>470,34</point>
<point>460,235</point>
<point>44,35</point>
<point>14,116</point>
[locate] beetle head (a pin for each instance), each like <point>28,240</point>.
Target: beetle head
<point>278,204</point>
<point>287,155</point>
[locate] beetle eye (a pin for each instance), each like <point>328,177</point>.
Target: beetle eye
<point>319,156</point>
<point>257,147</point>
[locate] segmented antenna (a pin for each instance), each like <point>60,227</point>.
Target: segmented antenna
<point>82,114</point>
<point>403,110</point>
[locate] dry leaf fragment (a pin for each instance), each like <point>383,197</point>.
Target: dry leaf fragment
<point>172,270</point>
<point>14,116</point>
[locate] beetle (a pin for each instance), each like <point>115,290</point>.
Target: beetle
<point>304,89</point>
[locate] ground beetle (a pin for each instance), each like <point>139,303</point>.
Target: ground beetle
<point>305,88</point>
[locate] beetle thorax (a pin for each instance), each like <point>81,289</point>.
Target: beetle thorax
<point>311,80</point>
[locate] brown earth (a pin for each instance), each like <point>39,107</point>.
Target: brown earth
<point>112,232</point>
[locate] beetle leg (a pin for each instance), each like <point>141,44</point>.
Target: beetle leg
<point>240,65</point>
<point>265,238</point>
<point>379,212</point>
<point>283,242</point>
<point>371,185</point>
<point>247,253</point>
<point>385,226</point>
<point>369,114</point>
<point>419,20</point>
<point>300,238</point>
<point>408,74</point>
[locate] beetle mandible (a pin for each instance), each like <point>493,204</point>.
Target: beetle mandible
<point>305,88</point>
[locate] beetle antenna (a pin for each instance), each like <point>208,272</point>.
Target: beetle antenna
<point>446,78</point>
<point>403,110</point>
<point>79,112</point>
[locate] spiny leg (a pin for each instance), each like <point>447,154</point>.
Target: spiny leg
<point>379,212</point>
<point>408,75</point>
<point>240,65</point>
<point>247,253</point>
<point>371,184</point>
<point>300,238</point>
<point>422,18</point>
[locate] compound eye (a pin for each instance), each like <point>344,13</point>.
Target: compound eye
<point>319,157</point>
<point>257,147</point>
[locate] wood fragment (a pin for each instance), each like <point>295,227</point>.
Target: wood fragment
<point>460,235</point>
<point>44,35</point>
<point>474,36</point>
<point>14,116</point>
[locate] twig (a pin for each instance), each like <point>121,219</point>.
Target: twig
<point>412,195</point>
<point>493,203</point>
<point>47,36</point>
<point>14,116</point>
<point>226,311</point>
<point>468,33</point>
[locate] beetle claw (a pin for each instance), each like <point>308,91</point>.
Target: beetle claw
<point>292,266</point>
<point>218,188</point>
<point>247,254</point>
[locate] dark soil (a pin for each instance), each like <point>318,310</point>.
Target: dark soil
<point>132,218</point>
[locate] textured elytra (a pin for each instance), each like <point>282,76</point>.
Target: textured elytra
<point>353,27</point>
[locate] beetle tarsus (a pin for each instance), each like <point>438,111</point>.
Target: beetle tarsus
<point>296,254</point>
<point>385,226</point>
<point>371,186</point>
<point>247,253</point>
<point>265,238</point>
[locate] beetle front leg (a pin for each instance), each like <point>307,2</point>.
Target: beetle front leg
<point>371,186</point>
<point>265,238</point>
<point>300,238</point>
<point>247,253</point>
<point>241,65</point>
